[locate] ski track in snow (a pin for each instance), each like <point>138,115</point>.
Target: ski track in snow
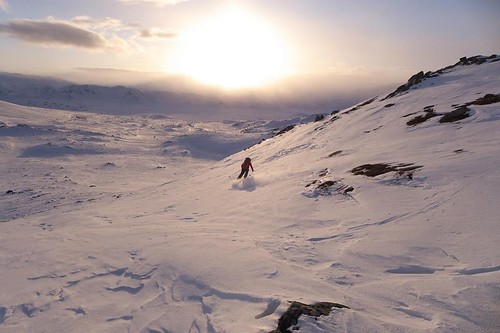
<point>137,223</point>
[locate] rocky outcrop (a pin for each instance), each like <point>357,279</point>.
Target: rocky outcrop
<point>486,99</point>
<point>460,113</point>
<point>476,60</point>
<point>319,117</point>
<point>373,170</point>
<point>324,185</point>
<point>428,114</point>
<point>420,76</point>
<point>297,309</point>
<point>413,80</point>
<point>357,107</point>
<point>286,129</point>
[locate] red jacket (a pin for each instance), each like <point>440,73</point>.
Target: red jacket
<point>246,165</point>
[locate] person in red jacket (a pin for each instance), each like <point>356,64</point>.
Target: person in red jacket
<point>245,167</point>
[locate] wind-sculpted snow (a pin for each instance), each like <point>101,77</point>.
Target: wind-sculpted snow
<point>56,159</point>
<point>138,224</point>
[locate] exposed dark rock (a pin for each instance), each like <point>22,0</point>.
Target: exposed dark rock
<point>313,182</point>
<point>410,114</point>
<point>331,120</point>
<point>357,107</point>
<point>416,78</point>
<point>389,105</point>
<point>326,184</point>
<point>420,76</point>
<point>296,309</point>
<point>3,312</point>
<point>334,118</point>
<point>327,188</point>
<point>429,113</point>
<point>335,153</point>
<point>412,269</point>
<point>460,112</point>
<point>348,189</point>
<point>28,309</point>
<point>372,170</point>
<point>455,115</point>
<point>284,130</point>
<point>78,310</point>
<point>319,117</point>
<point>375,129</point>
<point>486,99</point>
<point>413,80</point>
<point>476,60</point>
<point>324,172</point>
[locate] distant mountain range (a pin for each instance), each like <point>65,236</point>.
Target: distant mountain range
<point>63,95</point>
<point>52,93</point>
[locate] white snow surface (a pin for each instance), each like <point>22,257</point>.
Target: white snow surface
<point>137,224</point>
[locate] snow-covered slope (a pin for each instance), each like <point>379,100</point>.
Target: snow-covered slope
<point>385,207</point>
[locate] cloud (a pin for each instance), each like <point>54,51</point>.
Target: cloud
<point>155,33</point>
<point>59,33</point>
<point>159,3</point>
<point>4,5</point>
<point>85,32</point>
<point>99,23</point>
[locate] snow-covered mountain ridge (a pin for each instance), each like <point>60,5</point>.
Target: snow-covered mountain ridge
<point>384,207</point>
<point>51,93</point>
<point>62,95</point>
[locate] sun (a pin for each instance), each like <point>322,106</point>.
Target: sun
<point>233,50</point>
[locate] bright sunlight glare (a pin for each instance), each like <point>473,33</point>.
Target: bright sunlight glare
<point>233,50</point>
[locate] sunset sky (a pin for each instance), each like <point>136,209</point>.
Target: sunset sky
<point>243,43</point>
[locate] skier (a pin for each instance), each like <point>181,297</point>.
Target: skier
<point>245,167</point>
